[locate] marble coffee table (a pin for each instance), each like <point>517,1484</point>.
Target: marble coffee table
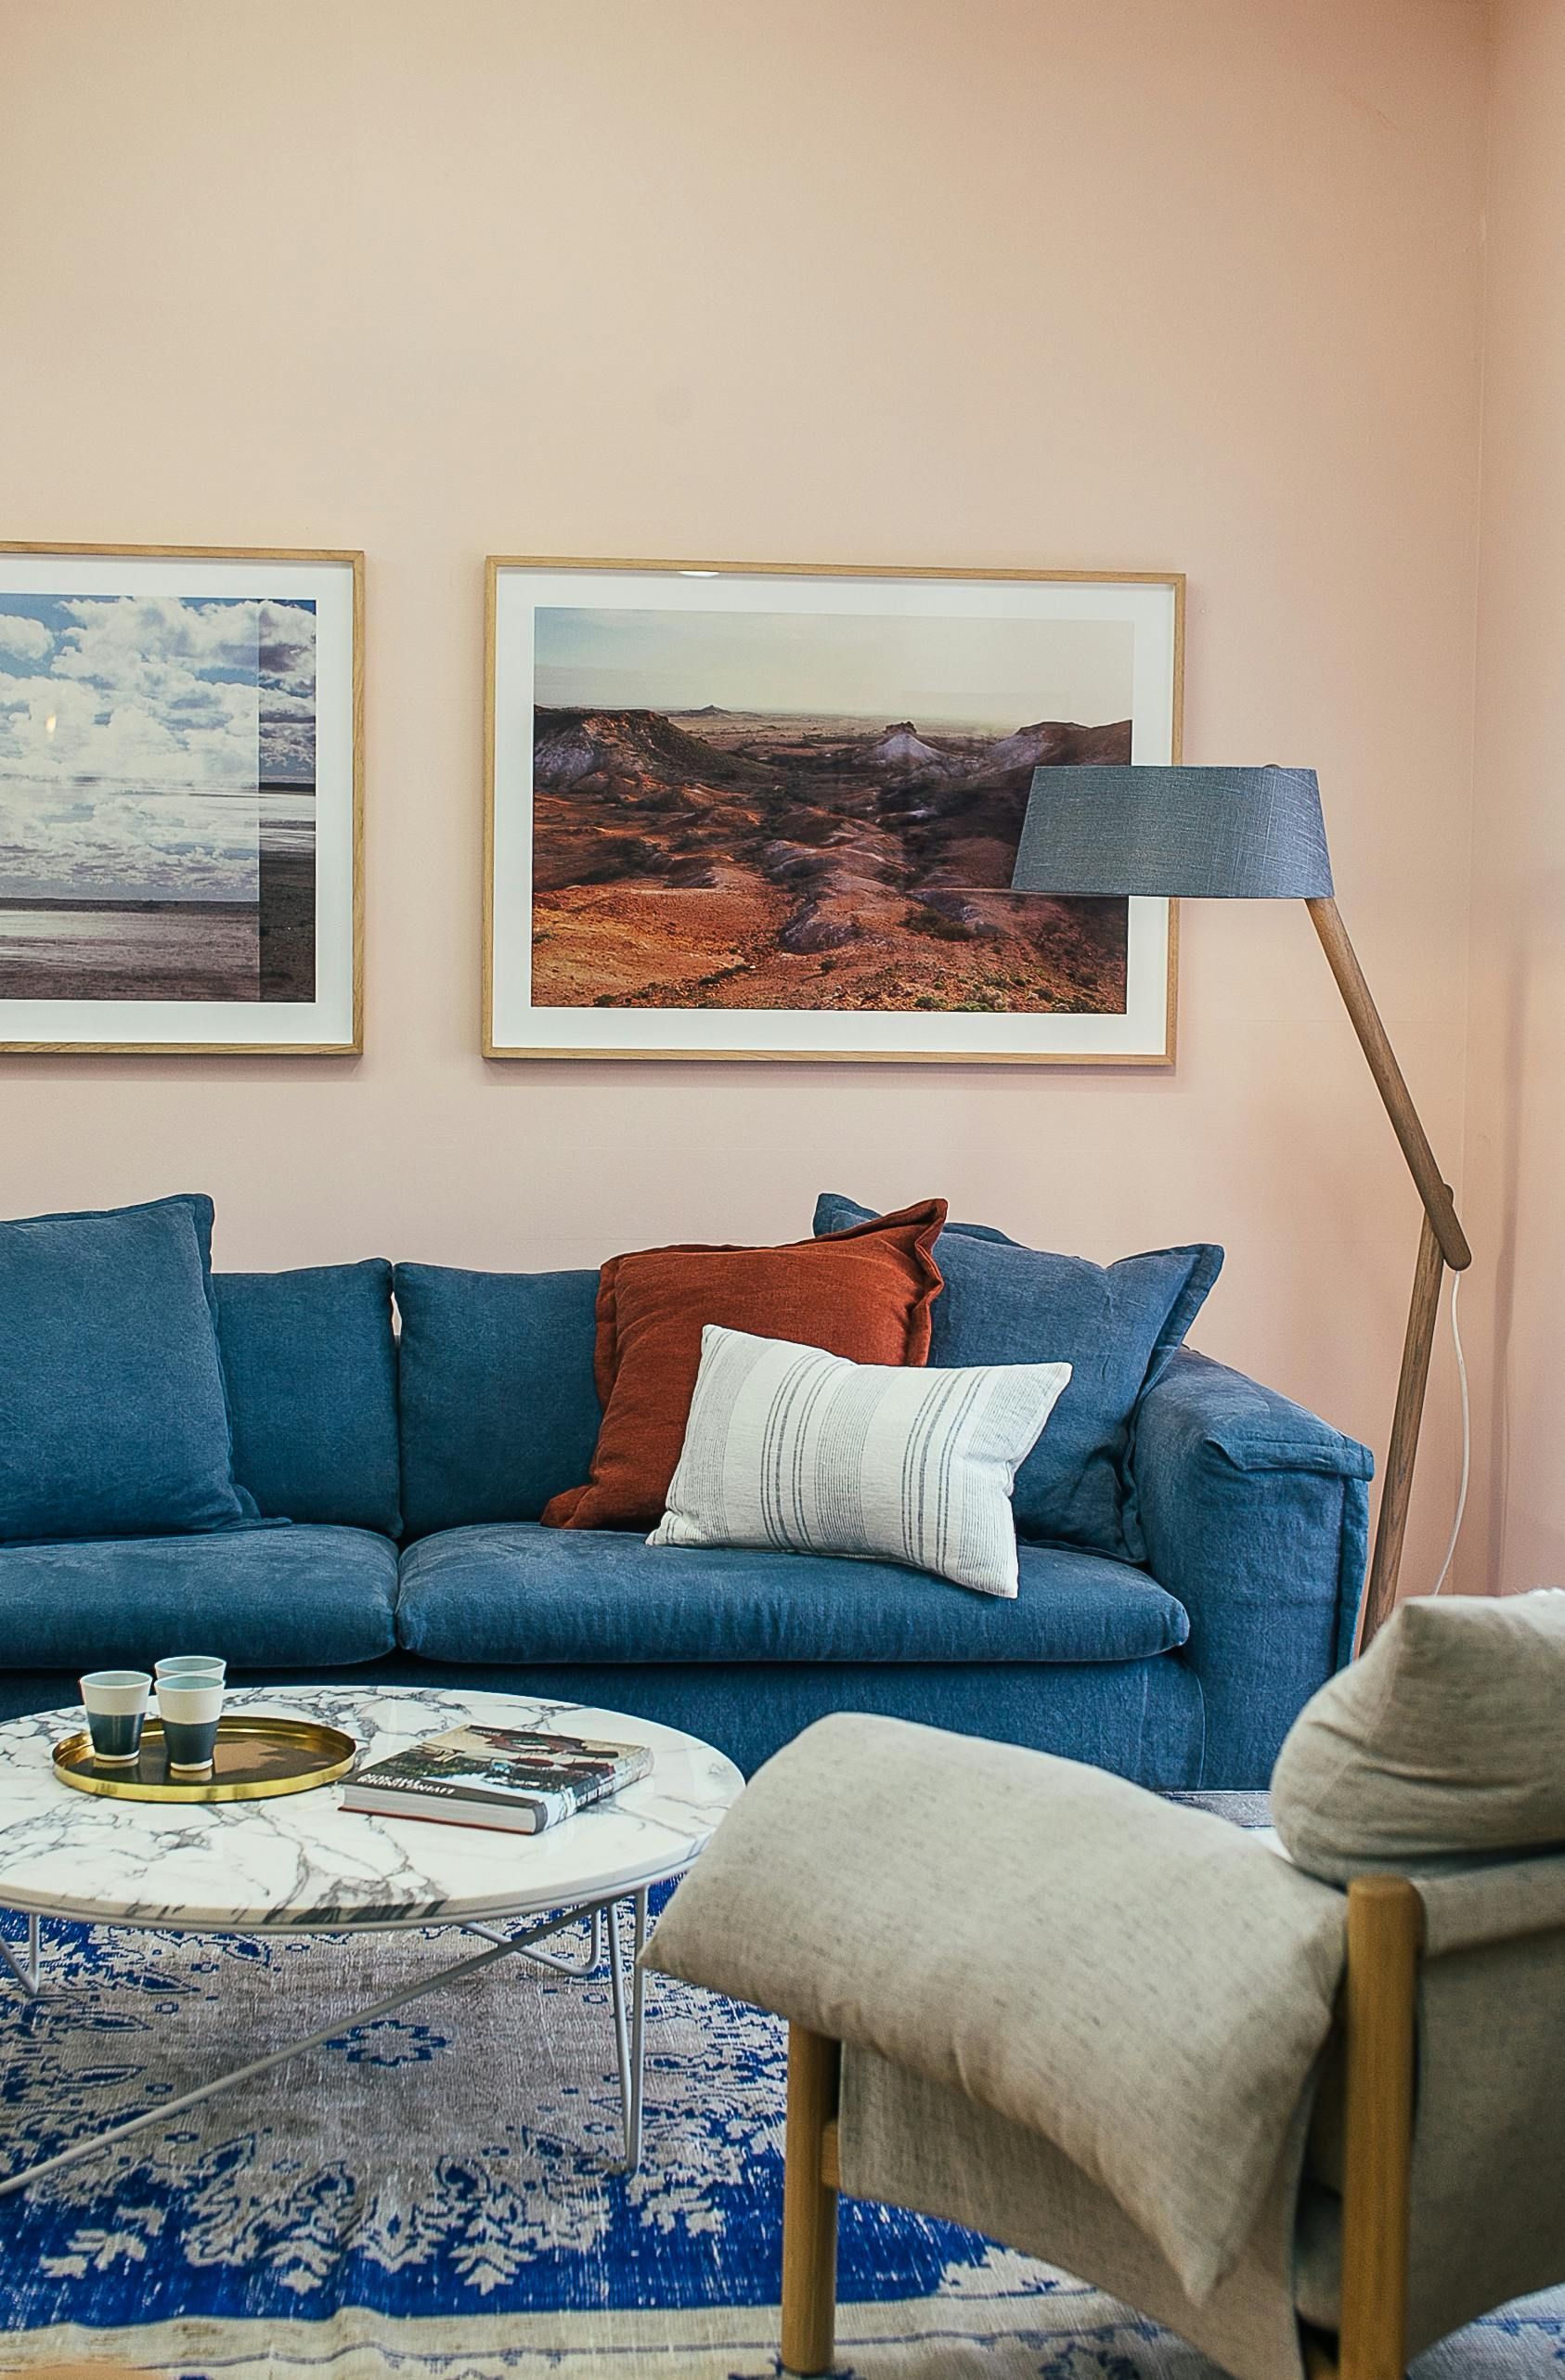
<point>302,1864</point>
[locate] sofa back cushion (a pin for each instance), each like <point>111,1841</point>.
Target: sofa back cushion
<point>1443,1742</point>
<point>113,1421</point>
<point>1115,1325</point>
<point>310,1359</point>
<point>499,1407</point>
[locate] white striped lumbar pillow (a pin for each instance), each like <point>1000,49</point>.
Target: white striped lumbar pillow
<point>789,1446</point>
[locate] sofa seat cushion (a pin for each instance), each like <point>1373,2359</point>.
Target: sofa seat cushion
<point>286,1599</point>
<point>520,1593</point>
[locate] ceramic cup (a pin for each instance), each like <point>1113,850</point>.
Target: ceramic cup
<point>191,1665</point>
<point>189,1707</point>
<point>116,1705</point>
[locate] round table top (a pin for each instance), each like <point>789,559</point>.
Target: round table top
<point>303,1862</point>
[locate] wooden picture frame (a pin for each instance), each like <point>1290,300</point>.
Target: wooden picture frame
<point>583,639</point>
<point>229,922</point>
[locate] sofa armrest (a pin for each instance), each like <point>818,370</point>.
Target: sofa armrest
<point>1256,1516</point>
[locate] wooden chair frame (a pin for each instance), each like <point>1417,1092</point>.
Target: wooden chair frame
<point>1379,2017</point>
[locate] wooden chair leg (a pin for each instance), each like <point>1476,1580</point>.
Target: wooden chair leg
<point>809,2205</point>
<point>1385,1934</point>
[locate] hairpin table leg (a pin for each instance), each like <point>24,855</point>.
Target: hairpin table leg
<point>637,2034</point>
<point>27,1975</point>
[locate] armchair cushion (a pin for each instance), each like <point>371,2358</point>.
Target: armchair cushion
<point>1143,1985</point>
<point>1443,1741</point>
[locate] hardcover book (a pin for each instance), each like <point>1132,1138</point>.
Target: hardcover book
<point>497,1777</point>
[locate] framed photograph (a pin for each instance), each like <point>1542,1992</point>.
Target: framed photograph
<point>758,811</point>
<point>180,799</point>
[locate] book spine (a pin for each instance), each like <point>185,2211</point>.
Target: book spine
<point>435,1789</point>
<point>547,1807</point>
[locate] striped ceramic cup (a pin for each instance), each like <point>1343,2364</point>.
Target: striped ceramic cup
<point>116,1706</point>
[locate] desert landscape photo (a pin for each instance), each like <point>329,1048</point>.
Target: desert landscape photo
<point>792,811</point>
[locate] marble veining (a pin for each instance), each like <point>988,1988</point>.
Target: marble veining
<point>303,1862</point>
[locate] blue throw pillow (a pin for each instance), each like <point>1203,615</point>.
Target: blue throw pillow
<point>310,1361</point>
<point>113,1421</point>
<point>1115,1325</point>
<point>499,1407</point>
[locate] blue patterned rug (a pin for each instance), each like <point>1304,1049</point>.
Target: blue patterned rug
<point>431,2196</point>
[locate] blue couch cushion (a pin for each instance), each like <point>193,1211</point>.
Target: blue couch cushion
<point>499,1411</point>
<point>284,1598</point>
<point>310,1359</point>
<point>1115,1325</point>
<point>113,1419</point>
<point>526,1594</point>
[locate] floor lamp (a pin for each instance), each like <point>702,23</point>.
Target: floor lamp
<point>1256,834</point>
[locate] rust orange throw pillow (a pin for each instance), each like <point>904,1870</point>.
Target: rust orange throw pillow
<point>864,1293</point>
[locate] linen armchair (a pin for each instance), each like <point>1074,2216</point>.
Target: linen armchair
<point>1303,2111</point>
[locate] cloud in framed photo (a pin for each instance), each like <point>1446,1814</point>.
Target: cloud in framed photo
<point>137,687</point>
<point>186,731</point>
<point>285,666</point>
<point>130,765</point>
<point>102,845</point>
<point>213,630</point>
<point>286,649</point>
<point>27,639</point>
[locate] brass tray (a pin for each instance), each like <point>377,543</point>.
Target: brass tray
<point>254,1760</point>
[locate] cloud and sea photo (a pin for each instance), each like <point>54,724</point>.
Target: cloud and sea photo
<point>157,798</point>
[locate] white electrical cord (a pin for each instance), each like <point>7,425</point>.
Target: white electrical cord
<point>1466,1441</point>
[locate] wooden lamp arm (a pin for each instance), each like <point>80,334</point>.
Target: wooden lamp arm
<point>1439,1205</point>
<point>1442,1241</point>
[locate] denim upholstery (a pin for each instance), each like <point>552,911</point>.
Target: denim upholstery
<point>1256,1516</point>
<point>113,1421</point>
<point>1115,1325</point>
<point>1141,1718</point>
<point>499,1407</point>
<point>293,1598</point>
<point>527,1594</point>
<point>310,1361</point>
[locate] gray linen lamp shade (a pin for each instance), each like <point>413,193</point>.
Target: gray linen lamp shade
<point>1214,833</point>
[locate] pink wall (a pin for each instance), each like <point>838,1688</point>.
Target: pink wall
<point>1095,283</point>
<point>1517,1109</point>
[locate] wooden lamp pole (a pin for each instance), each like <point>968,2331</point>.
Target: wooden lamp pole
<point>1441,1242</point>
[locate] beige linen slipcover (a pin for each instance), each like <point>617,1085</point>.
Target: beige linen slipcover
<point>1446,1740</point>
<point>1099,2026</point>
<point>1142,1985</point>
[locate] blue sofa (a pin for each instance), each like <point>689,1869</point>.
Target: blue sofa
<point>411,1474</point>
